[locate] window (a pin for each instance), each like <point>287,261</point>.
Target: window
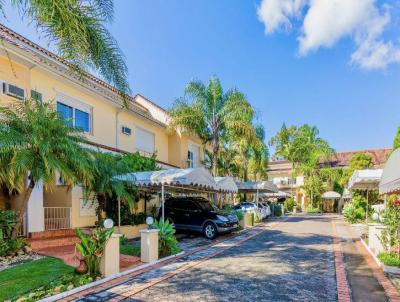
<point>193,155</point>
<point>144,141</point>
<point>126,130</point>
<point>13,91</point>
<point>36,95</point>
<point>190,159</point>
<point>76,117</point>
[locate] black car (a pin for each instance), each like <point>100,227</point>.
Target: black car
<point>198,214</point>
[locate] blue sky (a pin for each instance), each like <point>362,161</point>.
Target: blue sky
<point>168,43</point>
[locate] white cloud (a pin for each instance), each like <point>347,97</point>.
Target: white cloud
<point>277,13</point>
<point>325,22</point>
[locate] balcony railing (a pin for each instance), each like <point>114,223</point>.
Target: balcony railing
<point>57,218</point>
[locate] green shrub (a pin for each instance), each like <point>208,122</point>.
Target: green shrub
<point>312,210</point>
<point>167,243</point>
<point>289,204</point>
<point>9,223</point>
<point>354,211</point>
<point>239,214</point>
<point>15,244</point>
<point>3,247</point>
<point>390,259</point>
<point>227,207</point>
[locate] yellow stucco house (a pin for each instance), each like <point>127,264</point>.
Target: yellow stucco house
<point>27,69</point>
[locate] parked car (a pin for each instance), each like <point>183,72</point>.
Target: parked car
<point>267,208</point>
<point>246,206</point>
<point>198,214</point>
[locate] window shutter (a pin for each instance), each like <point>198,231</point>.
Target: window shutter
<point>144,140</point>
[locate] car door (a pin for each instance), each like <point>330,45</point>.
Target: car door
<point>193,215</point>
<point>174,211</point>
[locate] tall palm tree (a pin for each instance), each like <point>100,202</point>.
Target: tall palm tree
<point>35,142</point>
<point>209,113</point>
<point>77,28</point>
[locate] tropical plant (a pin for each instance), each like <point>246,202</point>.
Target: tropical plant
<point>312,210</point>
<point>396,141</point>
<point>355,210</point>
<point>35,144</point>
<point>239,214</point>
<point>390,235</point>
<point>9,224</point>
<point>167,243</point>
<point>208,112</point>
<point>358,161</point>
<point>92,247</point>
<point>289,204</point>
<point>107,188</point>
<point>78,30</point>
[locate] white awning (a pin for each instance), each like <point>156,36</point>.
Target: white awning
<point>280,194</point>
<point>367,179</point>
<point>390,181</point>
<point>259,186</point>
<point>192,178</point>
<point>226,184</point>
<point>331,195</point>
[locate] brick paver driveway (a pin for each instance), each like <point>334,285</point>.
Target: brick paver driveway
<point>290,260</point>
<point>293,261</point>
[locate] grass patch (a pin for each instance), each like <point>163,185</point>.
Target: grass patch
<point>389,259</point>
<point>131,250</point>
<point>26,277</point>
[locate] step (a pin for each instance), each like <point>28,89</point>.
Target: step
<point>69,254</point>
<point>52,234</point>
<point>39,243</point>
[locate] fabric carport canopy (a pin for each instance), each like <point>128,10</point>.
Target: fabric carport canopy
<point>226,184</point>
<point>390,181</point>
<point>195,179</point>
<point>331,195</point>
<point>257,186</point>
<point>367,179</point>
<point>280,194</point>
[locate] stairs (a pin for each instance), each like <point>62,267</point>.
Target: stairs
<point>52,239</point>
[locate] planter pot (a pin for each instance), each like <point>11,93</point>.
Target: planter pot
<point>247,221</point>
<point>82,267</point>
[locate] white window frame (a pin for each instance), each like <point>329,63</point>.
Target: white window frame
<point>77,104</point>
<point>195,160</point>
<point>190,159</point>
<point>10,96</point>
<point>136,141</point>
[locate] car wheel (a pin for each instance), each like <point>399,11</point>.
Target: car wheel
<point>210,230</point>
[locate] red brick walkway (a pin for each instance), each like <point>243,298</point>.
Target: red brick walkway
<point>343,289</point>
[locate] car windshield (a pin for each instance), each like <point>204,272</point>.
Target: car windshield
<point>208,206</point>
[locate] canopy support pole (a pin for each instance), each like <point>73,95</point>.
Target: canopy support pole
<point>257,198</point>
<point>162,201</point>
<point>119,214</point>
<point>366,215</point>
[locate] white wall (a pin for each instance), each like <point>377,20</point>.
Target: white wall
<point>35,210</point>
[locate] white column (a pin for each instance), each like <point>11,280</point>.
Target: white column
<point>35,210</point>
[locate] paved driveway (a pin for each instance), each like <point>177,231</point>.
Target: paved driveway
<point>293,261</point>
<point>289,260</point>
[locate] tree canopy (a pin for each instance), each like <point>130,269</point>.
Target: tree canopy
<point>78,30</point>
<point>210,113</point>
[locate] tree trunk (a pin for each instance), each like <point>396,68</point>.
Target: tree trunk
<point>21,208</point>
<point>215,164</point>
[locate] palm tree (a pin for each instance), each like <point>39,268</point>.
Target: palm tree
<point>208,112</point>
<point>285,147</point>
<point>35,142</point>
<point>77,28</point>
